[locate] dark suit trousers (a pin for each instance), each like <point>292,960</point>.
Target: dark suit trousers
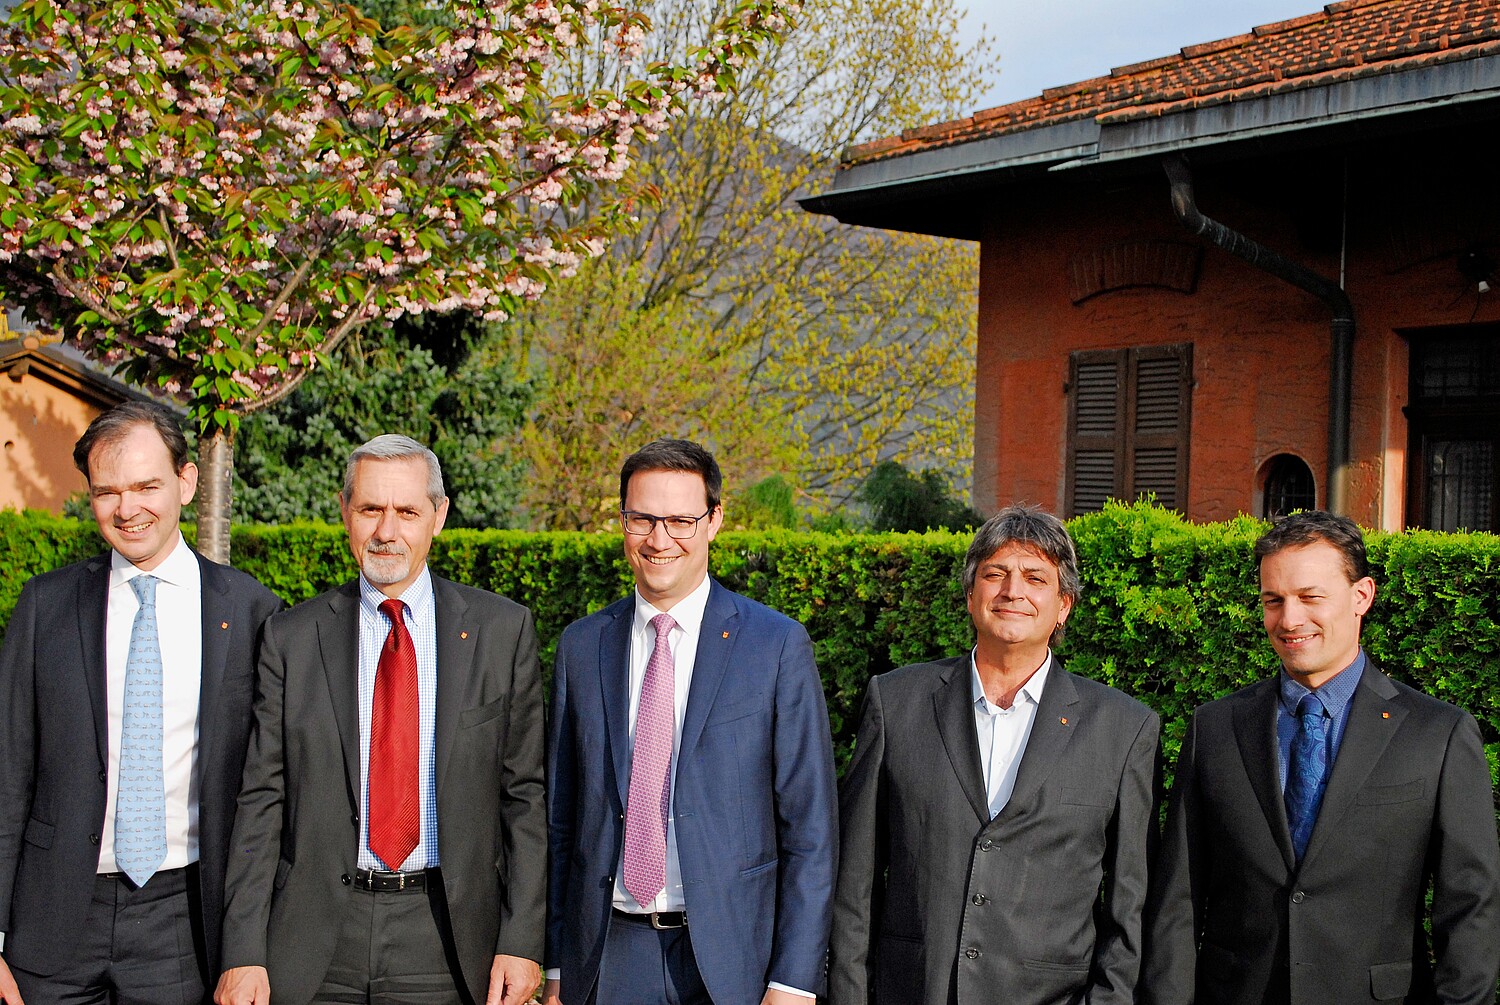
<point>136,948</point>
<point>393,948</point>
<point>642,965</point>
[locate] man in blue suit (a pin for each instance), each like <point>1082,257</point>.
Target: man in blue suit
<point>692,805</point>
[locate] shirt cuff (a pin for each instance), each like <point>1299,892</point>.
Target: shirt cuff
<point>552,974</point>
<point>792,991</point>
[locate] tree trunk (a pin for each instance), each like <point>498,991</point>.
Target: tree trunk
<point>215,486</point>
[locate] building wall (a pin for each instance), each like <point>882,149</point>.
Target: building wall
<point>39,423</point>
<point>1261,347</point>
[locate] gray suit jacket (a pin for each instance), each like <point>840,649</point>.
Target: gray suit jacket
<point>297,829</point>
<point>937,903</point>
<point>1235,919</point>
<point>53,750</point>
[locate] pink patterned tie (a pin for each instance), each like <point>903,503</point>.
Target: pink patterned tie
<point>650,798</point>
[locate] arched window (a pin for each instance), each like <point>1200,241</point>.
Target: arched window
<point>1289,487</point>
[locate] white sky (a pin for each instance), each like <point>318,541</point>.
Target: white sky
<point>1046,43</point>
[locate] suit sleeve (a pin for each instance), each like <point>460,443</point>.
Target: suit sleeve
<point>255,843</point>
<point>523,808</point>
<point>1132,846</point>
<point>561,793</point>
<point>17,739</point>
<point>862,862</point>
<point>1466,874</point>
<point>1175,905</point>
<point>806,796</point>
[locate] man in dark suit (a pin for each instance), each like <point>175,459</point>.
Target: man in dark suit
<point>125,689</point>
<point>390,844</point>
<point>691,787</point>
<point>999,814</point>
<point>1312,812</point>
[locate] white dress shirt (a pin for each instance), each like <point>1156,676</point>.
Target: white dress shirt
<point>420,619</point>
<point>1003,733</point>
<point>179,628</point>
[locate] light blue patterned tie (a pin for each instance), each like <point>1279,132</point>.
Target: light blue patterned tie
<point>140,803</point>
<point>1307,771</point>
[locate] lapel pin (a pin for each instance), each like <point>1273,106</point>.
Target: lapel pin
<point>1063,720</point>
<point>726,635</point>
<point>1385,715</point>
<point>463,635</point>
<point>223,624</point>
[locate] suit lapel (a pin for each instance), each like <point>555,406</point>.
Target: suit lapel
<point>953,703</point>
<point>338,644</point>
<point>455,667</point>
<point>1255,730</point>
<point>716,638</point>
<point>215,604</point>
<point>1051,732</point>
<point>93,605</point>
<point>614,680</point>
<point>1366,735</point>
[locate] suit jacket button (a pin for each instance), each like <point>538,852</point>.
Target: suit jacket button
<point>1298,897</point>
<point>986,844</point>
<point>972,954</point>
<point>345,879</point>
<point>979,899</point>
<point>93,839</point>
<point>104,776</point>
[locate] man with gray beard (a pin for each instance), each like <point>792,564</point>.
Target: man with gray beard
<point>391,838</point>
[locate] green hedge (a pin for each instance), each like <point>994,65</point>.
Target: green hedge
<point>1169,610</point>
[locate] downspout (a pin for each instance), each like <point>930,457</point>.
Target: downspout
<point>1341,363</point>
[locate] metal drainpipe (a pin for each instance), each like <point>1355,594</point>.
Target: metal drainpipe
<point>1341,364</point>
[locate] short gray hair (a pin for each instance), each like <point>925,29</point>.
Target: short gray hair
<point>1034,528</point>
<point>394,447</point>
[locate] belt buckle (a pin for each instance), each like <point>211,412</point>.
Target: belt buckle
<point>655,917</point>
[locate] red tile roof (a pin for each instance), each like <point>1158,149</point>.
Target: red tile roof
<point>1343,41</point>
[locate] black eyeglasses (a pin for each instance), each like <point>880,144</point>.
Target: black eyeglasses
<point>678,527</point>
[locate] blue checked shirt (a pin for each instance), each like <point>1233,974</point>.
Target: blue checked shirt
<point>1335,694</point>
<point>421,621</point>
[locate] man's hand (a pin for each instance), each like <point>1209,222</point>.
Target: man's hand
<point>512,980</point>
<point>775,996</point>
<point>243,986</point>
<point>9,993</point>
<point>552,993</point>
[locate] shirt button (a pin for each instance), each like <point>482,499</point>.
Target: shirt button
<point>1298,897</point>
<point>972,954</point>
<point>979,899</point>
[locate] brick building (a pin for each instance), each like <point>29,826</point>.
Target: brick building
<point>1250,276</point>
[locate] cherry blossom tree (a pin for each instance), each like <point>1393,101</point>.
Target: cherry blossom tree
<point>213,194</point>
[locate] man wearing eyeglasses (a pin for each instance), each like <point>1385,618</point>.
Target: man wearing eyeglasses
<point>691,795</point>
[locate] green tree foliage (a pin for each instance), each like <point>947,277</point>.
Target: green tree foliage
<point>902,501</point>
<point>215,195</point>
<point>791,344</point>
<point>290,457</point>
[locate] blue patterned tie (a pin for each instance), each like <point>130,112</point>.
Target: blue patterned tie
<point>140,802</point>
<point>1307,771</point>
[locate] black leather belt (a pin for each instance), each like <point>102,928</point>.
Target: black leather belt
<point>659,920</point>
<point>390,882</point>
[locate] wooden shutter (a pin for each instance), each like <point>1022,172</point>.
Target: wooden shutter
<point>1128,426</point>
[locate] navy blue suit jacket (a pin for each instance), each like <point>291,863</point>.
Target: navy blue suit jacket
<point>754,803</point>
<point>53,756</point>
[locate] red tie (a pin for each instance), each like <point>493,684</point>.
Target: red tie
<point>395,746</point>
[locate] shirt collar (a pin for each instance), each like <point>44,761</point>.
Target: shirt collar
<point>1030,691</point>
<point>179,568</point>
<point>417,597</point>
<point>687,612</point>
<point>1335,694</point>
